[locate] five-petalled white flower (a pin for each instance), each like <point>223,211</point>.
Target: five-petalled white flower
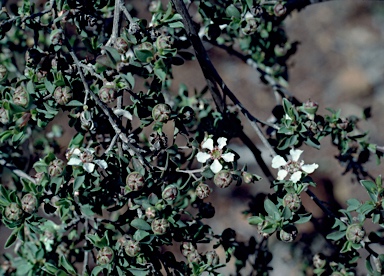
<point>85,159</point>
<point>294,167</point>
<point>215,153</point>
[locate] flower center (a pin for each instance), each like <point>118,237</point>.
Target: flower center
<point>216,153</point>
<point>293,166</point>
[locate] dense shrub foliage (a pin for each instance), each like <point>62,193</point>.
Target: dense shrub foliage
<point>137,175</point>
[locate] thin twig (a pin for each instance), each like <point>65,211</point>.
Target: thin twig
<point>115,27</point>
<point>113,142</point>
<point>212,76</point>
<point>86,252</point>
<point>126,13</point>
<point>91,71</point>
<point>319,203</point>
<point>110,116</point>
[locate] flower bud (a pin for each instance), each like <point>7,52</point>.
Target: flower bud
<point>3,72</point>
<point>319,261</point>
<point>310,107</point>
<point>279,9</point>
<point>161,112</point>
<point>163,42</point>
<point>223,179</point>
<point>187,248</point>
<point>355,233</point>
<point>158,141</point>
<point>134,182</point>
<point>62,95</point>
<point>203,191</point>
<point>86,120</point>
<point>121,45</point>
<point>107,93</point>
<point>170,193</point>
<point>150,212</point>
<point>29,203</point>
<point>212,258</point>
<point>194,257</point>
<point>56,37</point>
<point>249,26</point>
<point>154,6</point>
<point>292,201</point>
<point>288,233</point>
<point>56,167</point>
<point>105,255</point>
<point>13,212</point>
<point>247,177</point>
<point>132,248</point>
<point>159,226</point>
<point>4,117</point>
<point>20,97</point>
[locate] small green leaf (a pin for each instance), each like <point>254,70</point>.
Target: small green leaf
<point>140,224</point>
<point>232,11</point>
<point>271,209</point>
<point>78,182</point>
<point>255,220</point>
<point>335,236</point>
<point>67,265</point>
<point>140,235</point>
<point>12,238</point>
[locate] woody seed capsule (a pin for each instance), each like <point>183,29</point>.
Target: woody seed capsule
<point>132,248</point>
<point>29,203</point>
<point>203,191</point>
<point>159,226</point>
<point>292,201</point>
<point>355,233</point>
<point>20,97</point>
<point>134,181</point>
<point>105,255</point>
<point>13,212</point>
<point>4,117</point>
<point>223,179</point>
<point>62,95</point>
<point>107,93</point>
<point>161,112</point>
<point>170,193</point>
<point>3,72</point>
<point>56,167</point>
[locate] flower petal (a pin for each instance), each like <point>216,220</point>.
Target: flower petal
<point>309,168</point>
<point>74,161</point>
<point>222,142</point>
<point>202,157</point>
<point>278,162</point>
<point>296,176</point>
<point>208,144</point>
<point>216,166</point>
<point>89,167</point>
<point>287,117</point>
<point>101,163</point>
<point>228,157</point>
<point>281,174</point>
<point>295,154</point>
<point>76,151</point>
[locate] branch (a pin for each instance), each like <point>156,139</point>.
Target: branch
<point>115,27</point>
<point>212,76</point>
<point>319,203</point>
<point>111,116</point>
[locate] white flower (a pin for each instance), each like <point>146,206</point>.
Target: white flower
<point>85,159</point>
<point>215,153</point>
<point>294,167</point>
